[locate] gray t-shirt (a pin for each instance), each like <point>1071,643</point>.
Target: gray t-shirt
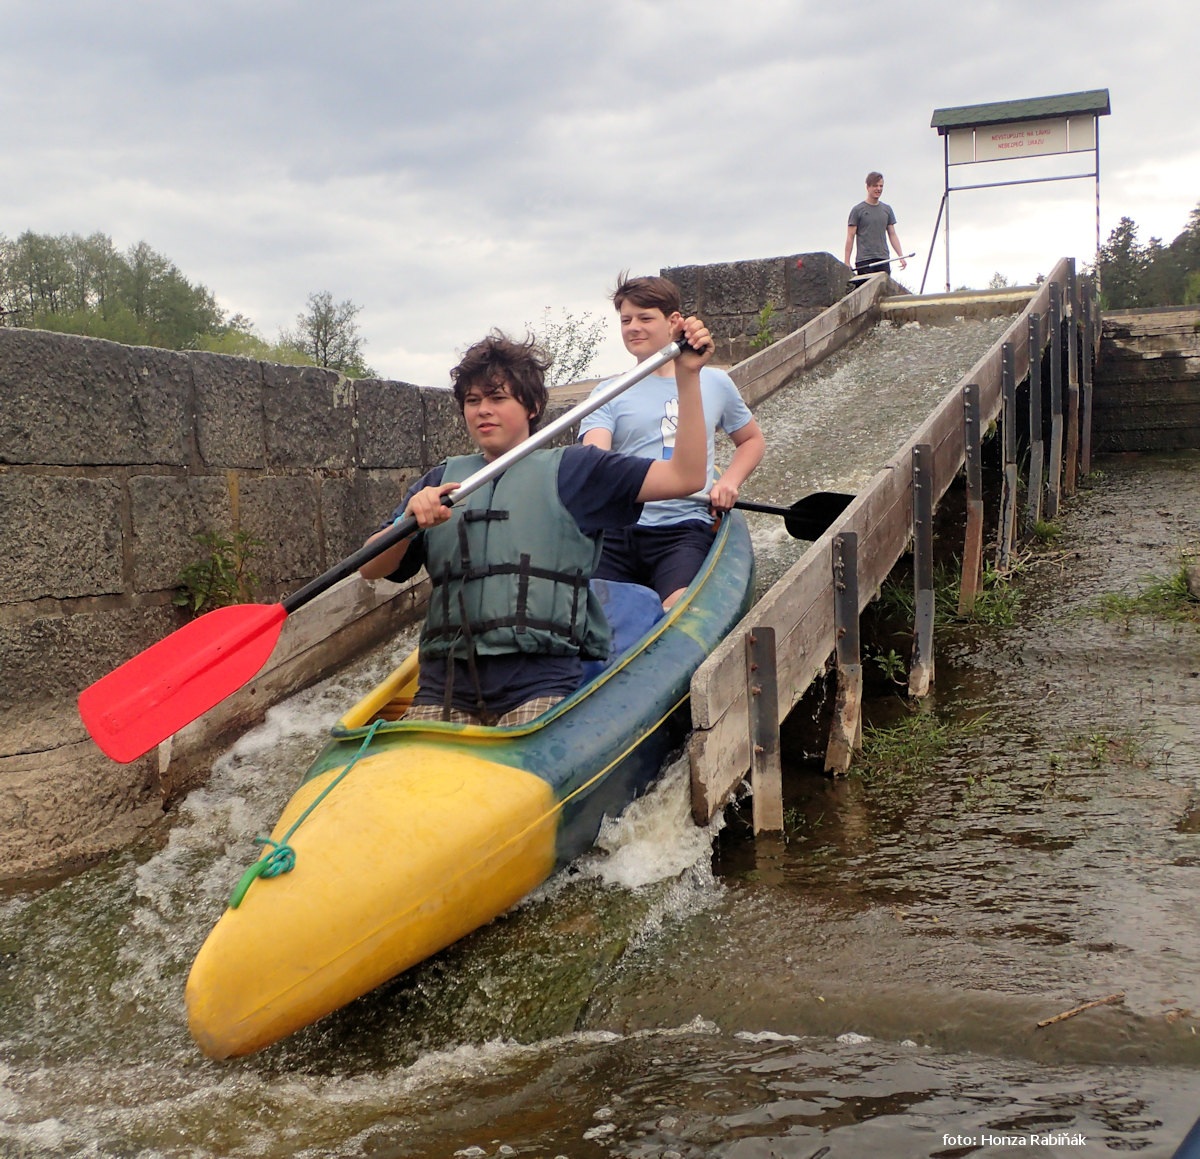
<point>871,225</point>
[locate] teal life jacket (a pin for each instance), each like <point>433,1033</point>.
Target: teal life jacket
<point>510,569</point>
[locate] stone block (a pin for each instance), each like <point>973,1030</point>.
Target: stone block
<point>229,410</point>
<point>69,805</point>
<point>283,512</point>
<point>390,423</point>
<point>690,280</point>
<point>743,287</point>
<point>60,536</point>
<point>168,512</point>
<point>48,660</point>
<point>66,400</point>
<point>373,497</point>
<point>445,433</point>
<point>309,417</point>
<point>816,284</point>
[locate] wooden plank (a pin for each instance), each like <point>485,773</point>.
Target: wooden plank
<point>800,606</point>
<point>1085,378</point>
<point>1071,337</point>
<point>1054,468</point>
<point>766,774</point>
<point>1037,443</point>
<point>1006,532</point>
<point>972,567</point>
<point>845,731</point>
<point>920,671</point>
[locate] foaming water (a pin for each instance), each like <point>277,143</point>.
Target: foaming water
<point>834,427</point>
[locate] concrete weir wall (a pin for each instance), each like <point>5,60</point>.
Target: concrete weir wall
<point>1148,382</point>
<point>112,459</point>
<point>729,296</point>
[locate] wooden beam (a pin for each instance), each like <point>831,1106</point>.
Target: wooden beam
<point>972,568</point>
<point>1071,337</point>
<point>1008,488</point>
<point>920,671</point>
<point>1055,468</point>
<point>766,774</point>
<point>845,731</point>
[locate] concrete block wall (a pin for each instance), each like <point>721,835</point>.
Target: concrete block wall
<point>112,459</point>
<point>1148,381</point>
<point>730,295</point>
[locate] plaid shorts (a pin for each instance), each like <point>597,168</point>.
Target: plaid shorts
<point>522,714</point>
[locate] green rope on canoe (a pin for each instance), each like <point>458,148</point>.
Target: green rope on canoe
<point>282,858</point>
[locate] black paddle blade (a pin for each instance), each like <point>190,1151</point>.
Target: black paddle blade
<point>812,516</point>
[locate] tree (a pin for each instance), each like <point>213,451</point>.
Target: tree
<point>327,334</point>
<point>572,344</point>
<point>1121,265</point>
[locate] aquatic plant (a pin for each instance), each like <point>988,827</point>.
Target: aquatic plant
<point>764,337</point>
<point>221,576</point>
<point>1161,599</point>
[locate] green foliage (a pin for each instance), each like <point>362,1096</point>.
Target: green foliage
<point>764,337</point>
<point>891,665</point>
<point>1162,598</point>
<point>1133,275</point>
<point>79,285</point>
<point>84,285</point>
<point>995,603</point>
<point>221,576</point>
<point>327,335</point>
<point>571,342</point>
<point>998,281</point>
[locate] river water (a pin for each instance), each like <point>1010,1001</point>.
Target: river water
<point>871,984</point>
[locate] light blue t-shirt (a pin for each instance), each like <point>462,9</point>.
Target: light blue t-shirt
<point>642,422</point>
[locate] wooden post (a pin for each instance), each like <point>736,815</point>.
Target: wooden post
<point>762,698</point>
<point>1037,442</point>
<point>1088,304</point>
<point>1008,490</point>
<point>1054,480</point>
<point>845,732</point>
<point>1071,337</point>
<point>920,671</point>
<point>972,568</point>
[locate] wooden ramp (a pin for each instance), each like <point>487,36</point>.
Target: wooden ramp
<point>813,607</point>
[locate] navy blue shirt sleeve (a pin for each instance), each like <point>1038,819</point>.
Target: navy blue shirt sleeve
<point>600,488</point>
<point>414,557</point>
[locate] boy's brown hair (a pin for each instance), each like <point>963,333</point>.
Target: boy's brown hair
<point>873,177</point>
<point>499,361</point>
<point>648,293</point>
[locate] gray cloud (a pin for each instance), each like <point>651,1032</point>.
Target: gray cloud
<point>454,166</point>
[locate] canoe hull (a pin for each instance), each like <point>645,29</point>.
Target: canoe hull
<point>439,828</point>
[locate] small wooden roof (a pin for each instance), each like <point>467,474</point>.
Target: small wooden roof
<point>1031,109</point>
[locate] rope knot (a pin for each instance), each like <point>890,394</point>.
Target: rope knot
<point>281,859</point>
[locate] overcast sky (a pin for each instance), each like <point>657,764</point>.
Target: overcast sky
<point>456,164</point>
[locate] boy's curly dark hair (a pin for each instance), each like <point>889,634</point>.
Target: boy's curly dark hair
<point>499,360</point>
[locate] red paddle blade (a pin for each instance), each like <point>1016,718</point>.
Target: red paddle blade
<point>176,680</point>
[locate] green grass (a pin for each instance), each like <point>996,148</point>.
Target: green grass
<point>1161,598</point>
<point>995,604</point>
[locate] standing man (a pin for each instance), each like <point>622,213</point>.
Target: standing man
<point>873,224</point>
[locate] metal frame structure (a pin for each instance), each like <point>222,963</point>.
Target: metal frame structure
<point>1018,117</point>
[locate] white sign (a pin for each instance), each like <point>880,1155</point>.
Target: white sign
<point>1020,139</point>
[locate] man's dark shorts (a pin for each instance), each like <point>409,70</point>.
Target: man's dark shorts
<point>663,558</point>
